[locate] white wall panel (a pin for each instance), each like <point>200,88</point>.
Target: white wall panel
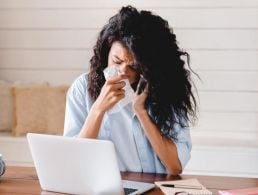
<point>214,82</point>
<point>45,59</point>
<point>52,40</point>
<point>227,81</point>
<point>39,4</point>
<point>54,77</point>
<point>78,59</point>
<point>85,39</point>
<point>242,122</point>
<point>82,18</point>
<point>231,60</point>
<point>229,101</point>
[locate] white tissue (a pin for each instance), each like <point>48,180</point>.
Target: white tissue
<point>112,71</point>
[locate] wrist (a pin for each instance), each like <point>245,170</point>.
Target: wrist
<point>97,110</point>
<point>141,112</point>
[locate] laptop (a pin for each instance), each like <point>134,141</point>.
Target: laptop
<point>79,166</point>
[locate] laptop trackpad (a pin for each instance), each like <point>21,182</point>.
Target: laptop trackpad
<point>133,187</point>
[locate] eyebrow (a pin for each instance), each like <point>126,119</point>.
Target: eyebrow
<point>118,58</point>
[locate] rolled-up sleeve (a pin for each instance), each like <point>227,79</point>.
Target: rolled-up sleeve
<point>184,145</point>
<point>76,109</point>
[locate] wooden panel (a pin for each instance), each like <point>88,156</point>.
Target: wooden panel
<point>45,59</point>
<point>52,41</point>
<point>78,59</point>
<point>224,60</point>
<point>110,4</point>
<point>36,39</point>
<point>224,160</point>
<point>55,77</point>
<point>82,39</point>
<point>210,101</point>
<point>230,122</point>
<point>218,39</point>
<point>178,18</point>
<point>210,18</point>
<point>211,81</point>
<point>227,80</point>
<point>54,18</point>
<point>228,101</point>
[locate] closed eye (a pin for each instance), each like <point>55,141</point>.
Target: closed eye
<point>116,62</point>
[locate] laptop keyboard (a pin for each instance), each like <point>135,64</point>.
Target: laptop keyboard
<point>129,190</point>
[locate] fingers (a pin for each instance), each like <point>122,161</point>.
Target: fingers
<point>116,83</point>
<point>117,92</point>
<point>117,78</point>
<point>117,96</point>
<point>114,86</point>
<point>118,86</point>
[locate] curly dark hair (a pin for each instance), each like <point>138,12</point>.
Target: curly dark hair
<point>157,55</point>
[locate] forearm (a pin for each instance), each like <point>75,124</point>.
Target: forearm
<point>165,148</point>
<point>92,124</point>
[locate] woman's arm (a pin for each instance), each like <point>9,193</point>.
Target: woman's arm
<point>110,94</point>
<point>92,124</point>
<point>164,147</point>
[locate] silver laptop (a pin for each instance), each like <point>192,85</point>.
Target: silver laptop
<point>79,166</point>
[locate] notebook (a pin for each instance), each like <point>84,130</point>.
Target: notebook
<point>186,185</point>
<point>249,191</point>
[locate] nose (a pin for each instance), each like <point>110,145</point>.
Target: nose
<point>123,68</point>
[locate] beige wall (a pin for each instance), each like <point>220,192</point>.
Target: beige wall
<point>51,40</point>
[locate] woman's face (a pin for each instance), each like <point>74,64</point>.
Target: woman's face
<point>123,59</point>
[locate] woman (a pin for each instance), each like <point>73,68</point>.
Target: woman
<point>150,134</point>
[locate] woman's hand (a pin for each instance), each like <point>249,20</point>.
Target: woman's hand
<point>110,94</point>
<point>140,97</point>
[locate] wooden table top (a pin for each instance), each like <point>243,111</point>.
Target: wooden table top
<point>24,181</point>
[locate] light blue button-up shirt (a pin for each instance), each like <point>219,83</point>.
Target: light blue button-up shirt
<point>133,148</point>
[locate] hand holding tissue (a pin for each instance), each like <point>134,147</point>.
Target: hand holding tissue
<point>110,72</point>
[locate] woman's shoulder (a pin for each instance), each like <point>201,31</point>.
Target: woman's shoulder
<point>80,84</point>
<point>82,79</point>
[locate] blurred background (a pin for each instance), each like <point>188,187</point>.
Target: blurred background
<point>51,41</point>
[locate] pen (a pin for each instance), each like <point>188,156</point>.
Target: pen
<point>181,186</point>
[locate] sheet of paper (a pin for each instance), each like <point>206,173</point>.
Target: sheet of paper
<point>188,182</point>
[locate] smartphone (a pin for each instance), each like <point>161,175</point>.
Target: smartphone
<point>142,84</point>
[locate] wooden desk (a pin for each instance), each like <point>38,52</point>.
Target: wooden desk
<point>24,181</point>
